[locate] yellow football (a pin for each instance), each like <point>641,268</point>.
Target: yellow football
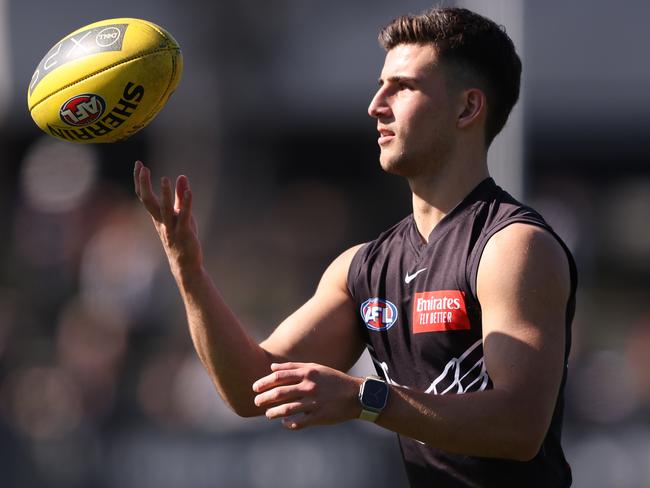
<point>105,81</point>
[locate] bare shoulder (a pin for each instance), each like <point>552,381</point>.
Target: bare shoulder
<point>336,274</point>
<point>524,238</point>
<point>523,282</point>
<point>523,252</point>
<point>324,329</point>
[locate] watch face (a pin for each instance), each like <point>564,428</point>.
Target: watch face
<point>374,394</point>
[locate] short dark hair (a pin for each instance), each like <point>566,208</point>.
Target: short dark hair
<point>475,48</point>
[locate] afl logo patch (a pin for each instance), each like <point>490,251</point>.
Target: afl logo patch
<point>82,110</point>
<point>378,314</point>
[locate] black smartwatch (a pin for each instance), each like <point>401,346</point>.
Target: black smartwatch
<point>373,395</point>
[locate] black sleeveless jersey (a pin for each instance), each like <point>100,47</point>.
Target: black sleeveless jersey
<point>421,320</point>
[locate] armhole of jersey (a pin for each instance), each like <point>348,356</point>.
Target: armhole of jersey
<point>475,257</point>
<point>355,269</point>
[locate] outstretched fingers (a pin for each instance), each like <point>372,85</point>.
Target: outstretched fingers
<point>182,184</point>
<point>183,200</point>
<point>146,193</point>
<point>166,209</point>
<point>172,218</point>
<point>185,214</point>
<point>136,177</point>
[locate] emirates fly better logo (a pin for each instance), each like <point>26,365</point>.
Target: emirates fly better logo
<point>439,311</point>
<point>82,110</point>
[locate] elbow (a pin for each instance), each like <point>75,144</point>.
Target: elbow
<point>245,414</point>
<point>526,446</point>
<point>526,430</point>
<point>243,408</point>
<point>240,404</point>
<point>245,411</point>
<point>521,450</point>
<point>525,452</point>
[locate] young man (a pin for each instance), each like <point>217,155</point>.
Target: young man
<point>465,305</point>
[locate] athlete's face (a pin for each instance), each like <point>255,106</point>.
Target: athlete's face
<point>414,112</point>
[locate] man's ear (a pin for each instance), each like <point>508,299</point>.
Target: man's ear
<point>473,107</point>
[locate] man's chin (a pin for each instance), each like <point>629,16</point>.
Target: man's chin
<point>393,166</point>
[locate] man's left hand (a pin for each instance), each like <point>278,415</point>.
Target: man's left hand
<point>306,394</point>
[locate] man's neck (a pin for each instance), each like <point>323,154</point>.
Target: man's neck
<point>434,196</point>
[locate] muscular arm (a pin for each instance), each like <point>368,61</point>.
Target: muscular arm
<point>523,287</point>
<point>321,330</point>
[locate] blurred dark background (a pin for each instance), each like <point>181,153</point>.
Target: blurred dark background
<point>99,384</point>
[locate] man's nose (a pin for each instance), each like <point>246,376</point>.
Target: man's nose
<point>378,106</point>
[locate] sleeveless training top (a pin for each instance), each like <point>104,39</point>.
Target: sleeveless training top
<point>421,321</point>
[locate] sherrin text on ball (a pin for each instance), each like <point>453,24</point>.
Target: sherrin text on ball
<point>105,81</point>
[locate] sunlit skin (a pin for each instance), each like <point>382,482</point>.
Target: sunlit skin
<point>431,131</point>
<point>415,119</point>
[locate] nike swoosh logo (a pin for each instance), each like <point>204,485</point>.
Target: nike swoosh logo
<point>408,278</point>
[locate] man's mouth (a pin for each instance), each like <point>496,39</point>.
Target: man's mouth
<point>385,136</point>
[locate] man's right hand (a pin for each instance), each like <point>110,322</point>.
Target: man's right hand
<point>324,330</point>
<point>172,218</point>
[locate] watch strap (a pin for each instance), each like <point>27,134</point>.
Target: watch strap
<point>369,415</point>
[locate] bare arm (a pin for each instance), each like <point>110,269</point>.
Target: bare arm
<point>523,286</point>
<point>321,330</point>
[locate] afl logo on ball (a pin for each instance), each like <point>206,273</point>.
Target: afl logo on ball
<point>378,314</point>
<point>82,110</point>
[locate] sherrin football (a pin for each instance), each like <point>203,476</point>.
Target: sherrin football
<point>105,81</point>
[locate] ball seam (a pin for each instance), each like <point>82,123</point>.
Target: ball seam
<point>159,31</point>
<point>156,108</point>
<point>114,65</point>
